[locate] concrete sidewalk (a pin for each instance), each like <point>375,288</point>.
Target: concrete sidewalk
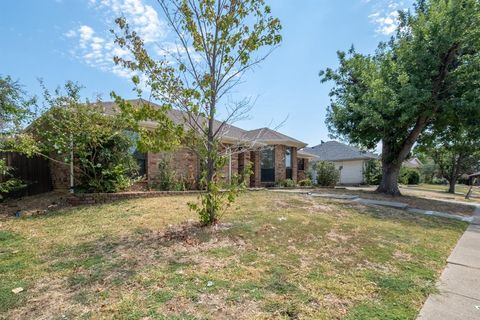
<point>459,285</point>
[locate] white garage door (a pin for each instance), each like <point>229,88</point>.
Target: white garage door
<point>351,172</point>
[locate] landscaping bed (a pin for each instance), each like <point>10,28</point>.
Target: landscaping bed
<point>274,255</point>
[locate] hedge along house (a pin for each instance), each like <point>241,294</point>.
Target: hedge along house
<point>350,161</point>
<point>271,155</point>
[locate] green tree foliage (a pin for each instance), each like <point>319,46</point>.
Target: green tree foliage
<point>429,70</point>
<point>373,172</point>
<point>454,149</point>
<point>428,171</point>
<point>217,42</point>
<point>99,143</point>
<point>409,176</point>
<point>327,174</point>
<point>15,111</point>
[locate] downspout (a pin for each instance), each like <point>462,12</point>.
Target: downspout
<point>229,165</point>
<point>72,181</point>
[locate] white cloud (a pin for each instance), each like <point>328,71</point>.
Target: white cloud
<point>385,14</point>
<point>97,49</point>
<point>141,17</point>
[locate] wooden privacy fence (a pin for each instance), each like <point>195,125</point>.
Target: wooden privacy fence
<point>33,171</point>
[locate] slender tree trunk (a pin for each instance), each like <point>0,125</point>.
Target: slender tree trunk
<point>389,182</point>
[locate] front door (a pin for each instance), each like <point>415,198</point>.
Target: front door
<point>288,163</point>
<point>267,164</point>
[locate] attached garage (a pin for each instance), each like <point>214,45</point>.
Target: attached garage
<point>349,160</point>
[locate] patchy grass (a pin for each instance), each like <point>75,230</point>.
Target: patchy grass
<point>441,192</point>
<point>415,198</point>
<point>275,255</point>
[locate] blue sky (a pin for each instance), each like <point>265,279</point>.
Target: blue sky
<point>60,40</point>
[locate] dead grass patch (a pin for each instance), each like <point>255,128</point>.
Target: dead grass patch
<point>275,256</point>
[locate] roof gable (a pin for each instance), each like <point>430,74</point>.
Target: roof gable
<point>336,151</point>
<point>229,133</point>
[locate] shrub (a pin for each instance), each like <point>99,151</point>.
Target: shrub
<point>305,183</point>
<point>106,167</point>
<point>8,183</point>
<point>409,176</point>
<point>167,178</point>
<point>79,133</point>
<point>287,183</point>
<point>373,172</point>
<point>327,174</point>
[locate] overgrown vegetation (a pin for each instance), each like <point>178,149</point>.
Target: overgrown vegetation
<point>15,111</point>
<point>326,173</point>
<point>80,133</point>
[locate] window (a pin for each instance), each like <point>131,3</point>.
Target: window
<point>288,162</point>
<point>267,164</point>
<point>141,162</point>
<point>301,164</point>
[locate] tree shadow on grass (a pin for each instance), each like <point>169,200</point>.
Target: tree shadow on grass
<point>408,219</point>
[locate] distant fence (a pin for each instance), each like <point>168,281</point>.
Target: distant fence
<point>34,172</point>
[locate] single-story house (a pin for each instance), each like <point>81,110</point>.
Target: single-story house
<point>273,156</point>
<point>413,163</point>
<point>474,178</point>
<point>349,160</point>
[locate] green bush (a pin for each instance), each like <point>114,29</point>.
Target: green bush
<point>327,174</point>
<point>167,178</point>
<point>305,183</point>
<point>287,183</point>
<point>373,172</point>
<point>107,167</point>
<point>409,176</point>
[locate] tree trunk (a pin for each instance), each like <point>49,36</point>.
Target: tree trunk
<point>451,186</point>
<point>389,182</point>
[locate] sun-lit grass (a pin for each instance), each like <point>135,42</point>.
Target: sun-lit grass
<point>274,256</point>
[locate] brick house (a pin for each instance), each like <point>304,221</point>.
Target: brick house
<point>272,155</point>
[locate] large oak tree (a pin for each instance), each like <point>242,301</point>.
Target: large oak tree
<point>429,70</point>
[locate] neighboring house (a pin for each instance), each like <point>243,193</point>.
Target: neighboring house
<point>273,156</point>
<point>413,163</point>
<point>349,160</point>
<point>474,178</point>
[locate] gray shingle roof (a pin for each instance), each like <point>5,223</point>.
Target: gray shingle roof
<point>474,175</point>
<point>230,132</point>
<point>270,136</point>
<point>336,151</point>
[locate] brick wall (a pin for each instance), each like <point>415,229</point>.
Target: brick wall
<point>95,198</point>
<point>60,174</point>
<point>280,173</point>
<point>303,174</point>
<point>294,164</point>
<point>184,162</point>
<point>255,181</point>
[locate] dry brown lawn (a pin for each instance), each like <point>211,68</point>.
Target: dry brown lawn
<point>274,256</point>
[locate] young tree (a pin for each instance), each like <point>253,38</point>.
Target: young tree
<point>427,69</point>
<point>217,41</point>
